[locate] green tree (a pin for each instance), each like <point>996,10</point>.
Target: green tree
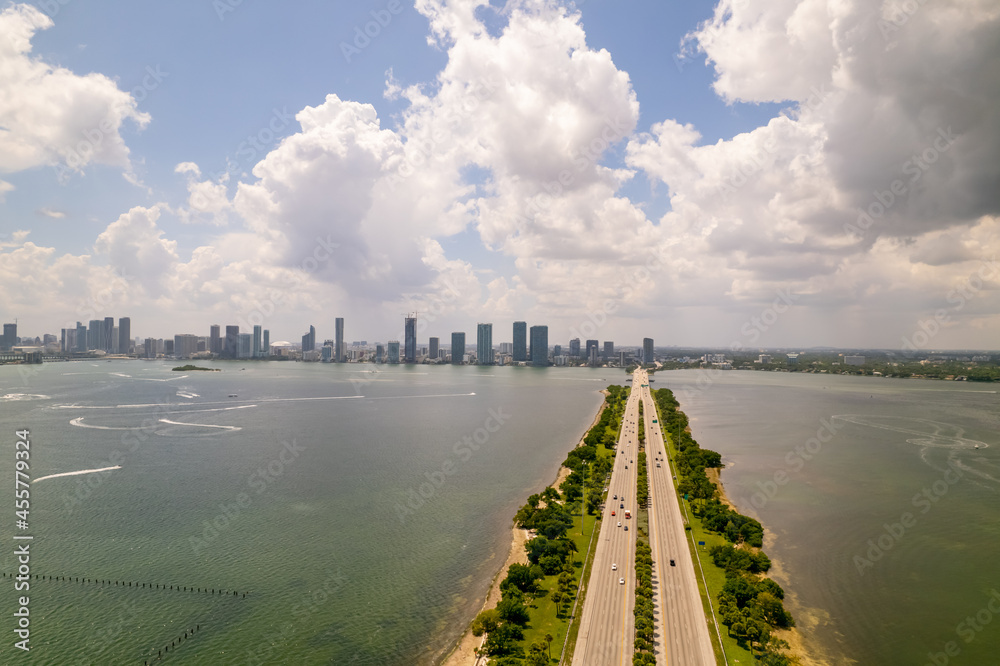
<point>485,622</point>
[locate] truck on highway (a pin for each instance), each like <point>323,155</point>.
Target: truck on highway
<point>628,514</point>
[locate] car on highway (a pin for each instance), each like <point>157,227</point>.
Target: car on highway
<point>672,563</point>
<point>616,496</point>
<point>612,512</point>
<point>614,567</point>
<point>619,523</point>
<point>621,581</point>
<point>626,528</point>
<point>621,505</point>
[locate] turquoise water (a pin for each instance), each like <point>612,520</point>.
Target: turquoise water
<point>294,492</point>
<point>886,526</point>
<point>337,572</point>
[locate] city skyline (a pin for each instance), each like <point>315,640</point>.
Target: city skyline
<point>827,197</point>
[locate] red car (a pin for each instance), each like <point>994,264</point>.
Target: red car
<point>612,513</point>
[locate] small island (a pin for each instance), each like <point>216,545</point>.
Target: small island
<point>187,368</point>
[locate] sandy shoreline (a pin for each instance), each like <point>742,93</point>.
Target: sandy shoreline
<point>796,644</point>
<point>464,652</point>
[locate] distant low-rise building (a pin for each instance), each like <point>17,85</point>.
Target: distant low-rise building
<point>854,360</point>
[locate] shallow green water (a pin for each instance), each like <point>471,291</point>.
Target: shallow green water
<point>292,492</point>
<point>858,498</point>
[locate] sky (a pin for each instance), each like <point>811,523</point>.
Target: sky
<point>745,174</point>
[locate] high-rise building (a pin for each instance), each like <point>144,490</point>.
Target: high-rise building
<point>81,337</point>
<point>574,347</point>
<point>108,342</point>
<point>94,334</point>
<point>393,351</point>
<point>255,350</point>
<point>245,345</point>
<point>150,348</point>
<point>185,346</point>
<point>9,336</point>
<point>647,350</point>
<point>339,352</point>
<point>168,347</point>
<point>591,349</point>
<point>410,339</point>
<point>265,349</point>
<point>232,342</point>
<point>520,352</point>
<point>124,335</point>
<point>215,340</point>
<point>435,343</point>
<point>484,344</point>
<point>457,348</point>
<point>326,353</point>
<point>557,350</point>
<point>379,353</point>
<point>309,340</point>
<point>540,345</point>
<point>622,359</point>
<point>593,359</point>
<point>609,350</point>
<point>64,339</point>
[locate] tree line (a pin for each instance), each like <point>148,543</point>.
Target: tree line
<point>550,514</point>
<point>750,604</point>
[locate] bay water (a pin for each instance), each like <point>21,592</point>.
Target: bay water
<point>363,513</point>
<point>361,510</point>
<point>881,503</point>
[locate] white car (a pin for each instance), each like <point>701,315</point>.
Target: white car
<point>621,581</point>
<point>614,567</point>
<point>619,523</point>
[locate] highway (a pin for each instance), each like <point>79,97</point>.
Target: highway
<point>682,635</point>
<point>607,626</point>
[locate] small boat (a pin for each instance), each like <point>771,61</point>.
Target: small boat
<point>233,395</point>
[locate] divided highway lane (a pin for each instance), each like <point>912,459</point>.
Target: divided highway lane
<point>683,629</point>
<point>607,626</point>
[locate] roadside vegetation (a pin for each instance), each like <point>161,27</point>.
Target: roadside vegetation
<point>643,610</point>
<point>530,622</point>
<point>644,622</point>
<point>750,605</point>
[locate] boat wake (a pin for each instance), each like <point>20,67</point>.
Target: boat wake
<point>200,425</point>
<point>925,433</point>
<point>82,471</point>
